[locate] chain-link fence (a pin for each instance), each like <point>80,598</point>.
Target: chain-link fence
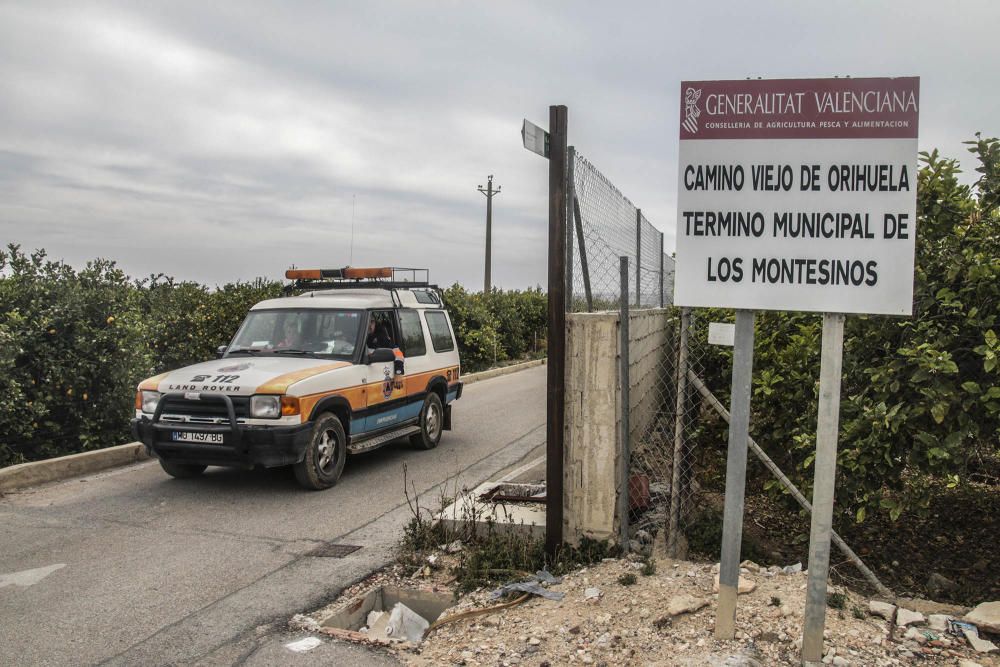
<point>616,262</point>
<point>605,226</point>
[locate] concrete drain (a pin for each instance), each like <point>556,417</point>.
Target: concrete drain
<point>333,550</point>
<point>389,613</point>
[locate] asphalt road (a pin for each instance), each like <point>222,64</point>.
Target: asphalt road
<point>131,567</point>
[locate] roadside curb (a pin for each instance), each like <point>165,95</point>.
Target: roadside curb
<point>505,370</point>
<point>34,473</point>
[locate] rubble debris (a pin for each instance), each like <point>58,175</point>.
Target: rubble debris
<point>906,617</point>
<point>883,609</point>
<point>685,604</point>
<point>986,616</point>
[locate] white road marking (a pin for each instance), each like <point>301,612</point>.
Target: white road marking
<point>29,577</point>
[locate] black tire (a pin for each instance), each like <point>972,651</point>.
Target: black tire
<point>181,470</point>
<point>431,423</point>
<point>325,455</point>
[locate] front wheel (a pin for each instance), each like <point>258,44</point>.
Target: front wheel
<point>325,455</point>
<point>181,470</point>
<point>431,423</point>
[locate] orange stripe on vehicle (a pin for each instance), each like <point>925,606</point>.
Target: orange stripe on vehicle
<point>280,384</point>
<point>355,397</point>
<point>153,383</point>
<point>370,394</point>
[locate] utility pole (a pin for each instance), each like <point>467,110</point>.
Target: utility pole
<point>488,192</point>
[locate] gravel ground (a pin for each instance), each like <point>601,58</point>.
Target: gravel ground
<point>633,624</point>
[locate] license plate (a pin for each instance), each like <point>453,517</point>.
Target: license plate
<point>185,436</point>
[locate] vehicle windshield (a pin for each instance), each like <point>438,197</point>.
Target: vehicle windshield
<point>309,332</point>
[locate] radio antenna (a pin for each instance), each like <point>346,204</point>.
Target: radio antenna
<point>351,262</point>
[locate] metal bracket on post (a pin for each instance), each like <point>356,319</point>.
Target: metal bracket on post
<point>623,374</point>
<point>736,476</point>
<point>825,472</point>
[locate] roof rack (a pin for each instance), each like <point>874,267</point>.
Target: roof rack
<point>351,277</point>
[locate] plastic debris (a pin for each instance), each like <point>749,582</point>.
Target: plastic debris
<point>532,585</point>
<point>592,594</point>
<point>404,623</point>
<point>304,645</point>
<point>546,577</point>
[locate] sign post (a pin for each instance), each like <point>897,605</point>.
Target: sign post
<point>736,476</point>
<point>800,195</point>
<point>827,427</point>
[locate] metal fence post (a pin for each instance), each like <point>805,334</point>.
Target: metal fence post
<point>675,464</point>
<point>584,267</point>
<point>662,301</point>
<point>555,407</point>
<point>638,257</point>
<point>570,198</point>
<point>623,375</point>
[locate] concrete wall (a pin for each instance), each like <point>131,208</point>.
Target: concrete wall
<point>593,447</point>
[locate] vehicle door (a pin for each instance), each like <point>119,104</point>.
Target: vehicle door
<point>385,388</point>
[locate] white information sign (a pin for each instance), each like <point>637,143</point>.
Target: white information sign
<point>720,333</point>
<point>798,195</point>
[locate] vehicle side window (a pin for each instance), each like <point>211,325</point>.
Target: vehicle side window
<point>381,330</point>
<point>412,334</point>
<point>437,324</point>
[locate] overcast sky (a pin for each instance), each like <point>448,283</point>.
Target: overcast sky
<point>218,141</point>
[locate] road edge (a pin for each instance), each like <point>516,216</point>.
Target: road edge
<point>503,370</point>
<point>24,475</point>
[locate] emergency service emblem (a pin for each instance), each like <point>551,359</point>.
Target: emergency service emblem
<point>387,384</point>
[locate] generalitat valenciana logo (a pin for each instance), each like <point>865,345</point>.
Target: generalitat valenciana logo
<point>691,110</point>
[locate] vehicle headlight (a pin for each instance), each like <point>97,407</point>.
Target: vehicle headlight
<point>265,407</point>
<point>149,401</point>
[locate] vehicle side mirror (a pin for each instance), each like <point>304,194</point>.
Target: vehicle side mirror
<point>381,355</point>
<point>221,350</point>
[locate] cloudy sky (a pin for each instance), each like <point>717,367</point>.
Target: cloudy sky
<point>226,140</point>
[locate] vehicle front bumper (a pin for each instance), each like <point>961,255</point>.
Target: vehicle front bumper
<point>243,445</point>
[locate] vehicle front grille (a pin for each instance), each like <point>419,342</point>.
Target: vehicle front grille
<point>206,411</point>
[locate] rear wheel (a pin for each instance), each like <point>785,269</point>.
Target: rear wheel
<point>325,455</point>
<point>431,423</point>
<point>181,470</point>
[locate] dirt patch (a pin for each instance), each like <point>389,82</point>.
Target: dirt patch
<point>629,624</point>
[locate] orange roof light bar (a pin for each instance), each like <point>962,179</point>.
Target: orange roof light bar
<point>303,274</point>
<point>358,273</point>
<point>348,273</point>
